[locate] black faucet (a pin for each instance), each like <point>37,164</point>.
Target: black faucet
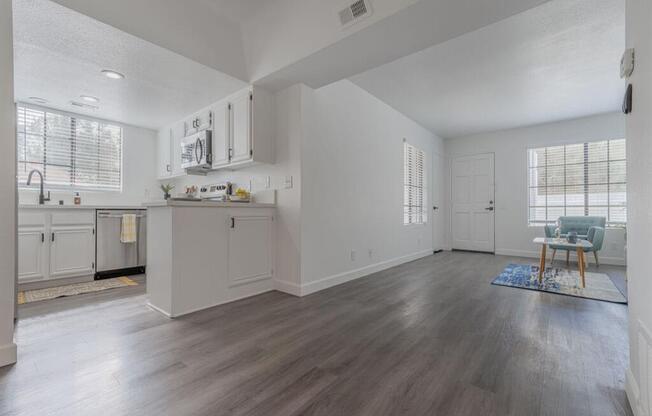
<point>41,196</point>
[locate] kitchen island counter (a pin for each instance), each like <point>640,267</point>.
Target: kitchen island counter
<point>203,254</point>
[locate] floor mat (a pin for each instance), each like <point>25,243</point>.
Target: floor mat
<point>35,295</point>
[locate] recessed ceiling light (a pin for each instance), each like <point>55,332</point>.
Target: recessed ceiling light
<point>112,74</point>
<point>90,99</point>
<point>38,100</point>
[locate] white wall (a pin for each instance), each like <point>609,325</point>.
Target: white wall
<point>639,194</point>
<point>288,163</point>
<point>138,169</point>
<point>7,188</point>
<point>352,186</point>
<point>513,235</point>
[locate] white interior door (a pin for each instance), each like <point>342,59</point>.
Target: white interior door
<point>472,205</point>
<point>438,174</point>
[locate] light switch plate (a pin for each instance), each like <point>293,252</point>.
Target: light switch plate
<point>288,182</point>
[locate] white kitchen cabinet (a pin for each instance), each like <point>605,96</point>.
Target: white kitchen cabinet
<point>177,135</point>
<point>221,134</point>
<point>164,147</point>
<point>249,248</point>
<point>72,251</point>
<point>241,148</point>
<point>252,128</point>
<point>54,245</point>
<point>32,252</point>
<point>199,121</point>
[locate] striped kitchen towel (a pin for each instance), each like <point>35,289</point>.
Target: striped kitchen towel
<point>128,229</point>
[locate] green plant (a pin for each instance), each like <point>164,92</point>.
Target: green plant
<point>166,188</point>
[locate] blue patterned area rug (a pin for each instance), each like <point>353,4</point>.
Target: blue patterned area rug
<point>561,281</point>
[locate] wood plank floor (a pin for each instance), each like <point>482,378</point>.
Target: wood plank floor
<point>431,337</point>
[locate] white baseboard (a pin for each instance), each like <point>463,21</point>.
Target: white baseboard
<point>290,288</point>
<point>633,394</point>
<point>614,261</point>
<point>340,278</point>
<point>8,354</point>
<point>212,305</point>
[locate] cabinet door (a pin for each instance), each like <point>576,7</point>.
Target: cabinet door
<point>32,250</point>
<point>200,121</point>
<point>220,136</point>
<point>178,134</point>
<point>250,249</point>
<point>164,164</point>
<point>241,128</point>
<point>72,251</point>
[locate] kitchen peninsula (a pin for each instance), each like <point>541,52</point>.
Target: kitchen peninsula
<point>202,254</point>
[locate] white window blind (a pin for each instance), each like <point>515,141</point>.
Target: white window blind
<point>578,179</point>
<point>71,151</point>
<point>414,197</point>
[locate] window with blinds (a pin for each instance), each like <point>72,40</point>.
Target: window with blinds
<point>71,151</point>
<point>414,196</point>
<point>578,179</point>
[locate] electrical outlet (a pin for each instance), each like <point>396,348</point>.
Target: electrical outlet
<point>352,255</point>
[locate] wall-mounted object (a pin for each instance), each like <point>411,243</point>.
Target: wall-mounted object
<point>627,63</point>
<point>627,101</point>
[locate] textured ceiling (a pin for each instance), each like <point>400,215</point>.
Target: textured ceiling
<point>557,61</point>
<point>59,54</point>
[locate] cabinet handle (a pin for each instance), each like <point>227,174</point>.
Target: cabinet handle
<point>42,237</point>
<point>52,237</point>
<point>167,167</point>
<point>232,222</point>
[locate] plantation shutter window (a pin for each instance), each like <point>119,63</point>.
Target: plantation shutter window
<point>71,151</point>
<point>585,179</point>
<point>414,198</point>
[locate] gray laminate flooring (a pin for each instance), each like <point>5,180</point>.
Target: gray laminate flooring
<point>431,337</point>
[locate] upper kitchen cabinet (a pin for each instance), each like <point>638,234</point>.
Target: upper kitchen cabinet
<point>252,128</point>
<point>164,146</point>
<point>221,134</point>
<point>202,120</point>
<point>169,151</point>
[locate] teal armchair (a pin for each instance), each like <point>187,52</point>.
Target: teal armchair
<point>587,228</point>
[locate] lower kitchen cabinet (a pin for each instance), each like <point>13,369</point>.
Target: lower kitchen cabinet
<point>32,253</point>
<point>72,251</point>
<point>55,245</point>
<point>250,248</point>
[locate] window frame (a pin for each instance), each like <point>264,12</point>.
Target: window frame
<point>608,224</point>
<point>43,164</point>
<point>422,216</point>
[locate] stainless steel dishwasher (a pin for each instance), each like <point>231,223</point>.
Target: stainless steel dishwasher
<point>115,258</point>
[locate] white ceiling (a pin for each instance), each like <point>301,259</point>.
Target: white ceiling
<point>557,61</point>
<point>236,10</point>
<point>53,61</point>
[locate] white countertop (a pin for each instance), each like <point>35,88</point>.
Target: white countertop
<point>71,206</point>
<point>207,204</point>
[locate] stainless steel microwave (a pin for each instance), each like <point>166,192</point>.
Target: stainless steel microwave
<point>197,151</point>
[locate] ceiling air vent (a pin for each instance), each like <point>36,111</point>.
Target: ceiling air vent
<point>354,11</point>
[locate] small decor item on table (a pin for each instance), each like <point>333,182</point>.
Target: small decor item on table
<point>77,199</point>
<point>572,237</point>
<point>167,188</point>
<point>240,195</point>
<point>191,191</point>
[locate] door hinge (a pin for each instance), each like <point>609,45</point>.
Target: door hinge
<point>93,231</point>
<point>251,97</point>
<point>229,106</point>
<point>93,265</point>
<point>251,152</point>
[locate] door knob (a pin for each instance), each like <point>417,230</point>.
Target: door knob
<point>435,208</point>
<point>489,208</point>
